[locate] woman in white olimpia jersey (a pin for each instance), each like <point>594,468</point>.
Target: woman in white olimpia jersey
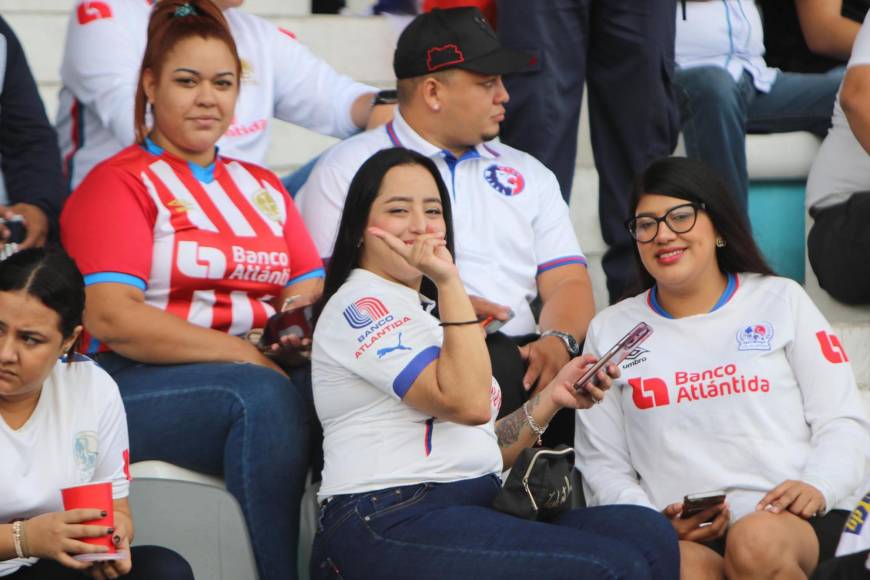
<point>408,404</point>
<point>742,387</point>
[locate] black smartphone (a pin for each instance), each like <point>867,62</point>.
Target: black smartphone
<point>617,352</point>
<point>695,503</point>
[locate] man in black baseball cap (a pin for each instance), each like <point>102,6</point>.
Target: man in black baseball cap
<point>514,237</point>
<point>455,38</point>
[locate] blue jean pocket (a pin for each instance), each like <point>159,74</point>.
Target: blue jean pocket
<point>381,503</point>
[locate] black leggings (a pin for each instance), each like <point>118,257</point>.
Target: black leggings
<point>149,563</point>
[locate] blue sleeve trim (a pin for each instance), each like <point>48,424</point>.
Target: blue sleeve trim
<point>558,262</point>
<point>318,273</point>
<point>413,369</point>
<point>117,278</point>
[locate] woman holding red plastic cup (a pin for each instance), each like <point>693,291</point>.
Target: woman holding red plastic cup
<point>62,424</point>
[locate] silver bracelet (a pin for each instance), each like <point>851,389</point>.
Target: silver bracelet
<point>17,536</point>
<point>533,425</point>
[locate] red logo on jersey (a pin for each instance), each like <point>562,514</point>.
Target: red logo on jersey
<point>655,387</point>
<point>90,11</point>
<point>126,455</point>
<point>287,32</point>
<point>831,348</point>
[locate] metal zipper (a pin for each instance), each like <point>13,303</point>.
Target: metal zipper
<point>528,472</point>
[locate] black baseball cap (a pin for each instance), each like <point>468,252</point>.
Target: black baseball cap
<point>455,38</point>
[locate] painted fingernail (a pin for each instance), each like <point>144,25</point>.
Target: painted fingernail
<point>110,531</point>
<point>117,539</point>
<point>103,514</point>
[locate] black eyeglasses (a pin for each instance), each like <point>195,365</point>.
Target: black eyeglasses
<point>680,219</point>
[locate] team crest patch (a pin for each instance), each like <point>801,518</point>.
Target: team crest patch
<point>755,336</point>
<point>266,204</point>
<point>505,180</point>
<point>85,450</point>
<point>365,312</point>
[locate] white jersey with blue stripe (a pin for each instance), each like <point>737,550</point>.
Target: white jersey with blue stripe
<point>757,391</point>
<point>372,340</point>
<point>510,222</point>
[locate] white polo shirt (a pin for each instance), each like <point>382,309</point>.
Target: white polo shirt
<point>742,398</point>
<point>727,34</point>
<point>842,166</point>
<point>510,222</point>
<point>372,340</point>
<point>280,78</point>
<point>76,434</point>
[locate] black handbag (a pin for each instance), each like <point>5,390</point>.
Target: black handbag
<point>539,484</point>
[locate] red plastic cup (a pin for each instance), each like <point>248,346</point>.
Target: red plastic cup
<point>96,496</point>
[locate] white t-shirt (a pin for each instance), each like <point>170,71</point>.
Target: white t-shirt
<point>77,434</point>
<point>510,222</point>
<point>280,78</point>
<point>742,398</point>
<point>372,340</point>
<point>727,34</point>
<point>842,166</point>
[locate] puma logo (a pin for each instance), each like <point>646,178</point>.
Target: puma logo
<point>382,352</point>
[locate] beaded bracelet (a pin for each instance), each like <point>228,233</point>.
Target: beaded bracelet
<point>17,536</point>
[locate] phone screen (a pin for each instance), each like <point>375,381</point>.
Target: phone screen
<point>617,352</point>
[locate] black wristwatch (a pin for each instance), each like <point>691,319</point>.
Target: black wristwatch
<point>385,97</point>
<point>570,342</point>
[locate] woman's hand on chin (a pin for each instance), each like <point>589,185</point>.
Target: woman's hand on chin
<point>562,387</point>
<point>428,254</point>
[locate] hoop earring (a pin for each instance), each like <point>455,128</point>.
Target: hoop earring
<point>720,243</point>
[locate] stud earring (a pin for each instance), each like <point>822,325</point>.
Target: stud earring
<point>720,243</point>
<point>359,243</point>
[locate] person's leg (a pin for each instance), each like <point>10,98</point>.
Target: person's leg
<point>448,531</point>
<point>46,570</point>
<point>632,115</point>
<point>153,562</point>
<point>764,545</point>
<point>714,111</point>
<point>699,562</point>
<point>796,102</point>
<point>543,113</point>
<point>838,247</point>
<point>849,567</point>
<point>249,423</point>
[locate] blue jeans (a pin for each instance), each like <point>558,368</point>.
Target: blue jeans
<point>245,422</point>
<point>717,113</point>
<point>437,531</point>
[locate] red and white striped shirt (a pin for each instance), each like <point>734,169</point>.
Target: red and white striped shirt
<point>210,245</point>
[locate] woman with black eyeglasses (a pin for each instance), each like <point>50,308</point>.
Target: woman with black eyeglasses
<point>742,388</point>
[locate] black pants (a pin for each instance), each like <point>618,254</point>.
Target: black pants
<point>849,567</point>
<point>839,249</point>
<point>508,369</point>
<point>624,50</point>
<point>149,563</point>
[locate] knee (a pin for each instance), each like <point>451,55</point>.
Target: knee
<point>755,544</point>
<point>708,88</point>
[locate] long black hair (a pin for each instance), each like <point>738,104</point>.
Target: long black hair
<point>360,196</point>
<point>51,276</point>
<point>694,181</point>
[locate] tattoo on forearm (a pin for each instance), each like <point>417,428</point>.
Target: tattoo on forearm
<point>508,428</point>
